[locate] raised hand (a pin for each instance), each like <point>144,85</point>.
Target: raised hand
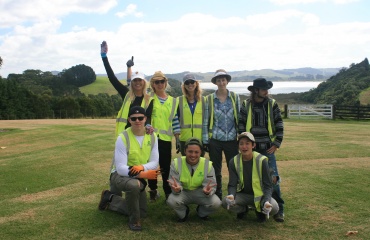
<point>130,62</point>
<point>103,49</point>
<point>208,188</point>
<point>174,185</point>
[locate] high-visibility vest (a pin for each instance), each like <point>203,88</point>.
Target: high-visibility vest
<point>136,154</point>
<point>190,124</point>
<point>162,117</point>
<point>192,182</point>
<point>210,102</point>
<point>122,116</point>
<point>270,118</point>
<point>256,176</point>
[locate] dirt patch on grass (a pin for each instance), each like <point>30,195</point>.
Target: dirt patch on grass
<point>22,216</point>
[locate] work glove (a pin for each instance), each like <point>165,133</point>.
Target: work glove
<point>267,207</point>
<point>103,49</point>
<point>206,147</point>
<point>230,200</point>
<point>150,174</point>
<point>178,145</point>
<point>135,170</point>
<point>130,62</point>
<point>149,129</point>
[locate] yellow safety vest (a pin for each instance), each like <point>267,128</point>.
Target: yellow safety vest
<point>270,118</point>
<point>121,120</point>
<point>136,154</point>
<point>190,124</point>
<point>192,182</point>
<point>162,117</point>
<point>256,176</point>
<point>210,102</point>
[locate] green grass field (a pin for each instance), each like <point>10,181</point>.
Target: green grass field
<point>101,85</point>
<point>53,171</point>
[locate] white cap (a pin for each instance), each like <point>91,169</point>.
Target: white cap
<point>246,135</point>
<point>137,75</point>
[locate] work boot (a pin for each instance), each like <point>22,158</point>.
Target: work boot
<point>135,226</point>
<point>104,199</point>
<point>279,217</point>
<point>154,194</point>
<point>186,215</point>
<point>205,218</point>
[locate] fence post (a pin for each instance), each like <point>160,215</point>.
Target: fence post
<point>286,111</point>
<point>334,112</point>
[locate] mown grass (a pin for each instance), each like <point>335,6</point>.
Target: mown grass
<point>53,171</point>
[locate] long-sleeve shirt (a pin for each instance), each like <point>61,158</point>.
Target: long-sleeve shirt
<point>224,126</point>
<point>260,124</point>
<point>123,90</point>
<point>210,176</point>
<point>247,177</point>
<point>121,157</point>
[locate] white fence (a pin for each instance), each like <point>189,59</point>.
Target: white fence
<point>310,111</point>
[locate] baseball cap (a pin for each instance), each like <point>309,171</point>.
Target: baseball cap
<point>188,76</point>
<point>138,75</point>
<point>194,141</point>
<point>246,135</point>
<point>136,110</point>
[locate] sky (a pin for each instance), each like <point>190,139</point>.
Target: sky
<point>189,35</point>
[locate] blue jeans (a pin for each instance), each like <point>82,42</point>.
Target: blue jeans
<point>276,191</point>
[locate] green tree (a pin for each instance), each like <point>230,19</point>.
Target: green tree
<point>79,75</point>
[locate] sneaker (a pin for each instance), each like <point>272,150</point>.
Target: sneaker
<point>135,226</point>
<point>154,195</point>
<point>186,215</point>
<point>205,218</point>
<point>241,215</point>
<point>279,217</point>
<point>104,200</point>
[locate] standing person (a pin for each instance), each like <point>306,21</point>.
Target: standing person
<point>135,159</point>
<point>220,124</point>
<point>249,181</point>
<point>261,116</point>
<point>166,125</point>
<point>190,112</point>
<point>135,96</point>
<point>192,180</point>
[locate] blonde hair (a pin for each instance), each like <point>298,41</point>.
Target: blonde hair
<point>197,91</point>
<point>144,92</point>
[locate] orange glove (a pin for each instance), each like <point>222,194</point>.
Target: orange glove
<point>150,174</point>
<point>136,169</point>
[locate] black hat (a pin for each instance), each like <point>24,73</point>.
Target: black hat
<point>260,83</point>
<point>135,110</point>
<point>194,141</point>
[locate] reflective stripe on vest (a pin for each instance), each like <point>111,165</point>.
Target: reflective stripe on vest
<point>162,117</point>
<point>136,154</point>
<point>121,119</point>
<point>191,124</point>
<point>256,176</point>
<point>210,102</point>
<point>270,118</point>
<point>192,182</point>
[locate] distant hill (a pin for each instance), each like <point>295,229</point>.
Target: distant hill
<point>348,87</point>
<point>299,74</point>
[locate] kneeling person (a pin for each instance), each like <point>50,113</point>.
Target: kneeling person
<point>193,181</point>
<point>249,181</point>
<point>135,159</point>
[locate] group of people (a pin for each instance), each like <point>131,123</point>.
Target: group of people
<point>247,133</point>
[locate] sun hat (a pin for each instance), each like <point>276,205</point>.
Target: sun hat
<point>246,135</point>
<point>220,73</point>
<point>260,83</point>
<point>158,75</point>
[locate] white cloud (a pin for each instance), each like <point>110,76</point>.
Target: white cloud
<point>15,12</point>
<point>130,10</point>
<point>285,2</point>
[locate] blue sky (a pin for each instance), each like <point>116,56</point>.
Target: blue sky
<point>176,36</point>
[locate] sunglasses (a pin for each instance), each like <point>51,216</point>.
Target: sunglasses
<point>160,81</point>
<point>187,82</point>
<point>137,118</point>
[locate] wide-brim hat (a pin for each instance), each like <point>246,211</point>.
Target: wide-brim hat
<point>260,83</point>
<point>158,76</point>
<point>246,135</point>
<point>221,74</point>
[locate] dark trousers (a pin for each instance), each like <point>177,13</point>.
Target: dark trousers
<point>230,149</point>
<point>164,149</point>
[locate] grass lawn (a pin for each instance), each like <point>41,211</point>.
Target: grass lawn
<point>53,171</point>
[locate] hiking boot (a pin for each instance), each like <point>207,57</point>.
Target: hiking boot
<point>104,199</point>
<point>186,215</point>
<point>241,215</point>
<point>135,226</point>
<point>153,194</point>
<point>205,218</point>
<point>279,217</point>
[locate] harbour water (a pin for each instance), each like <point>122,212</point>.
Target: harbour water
<point>279,87</point>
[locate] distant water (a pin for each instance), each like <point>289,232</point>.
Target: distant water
<point>279,87</point>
